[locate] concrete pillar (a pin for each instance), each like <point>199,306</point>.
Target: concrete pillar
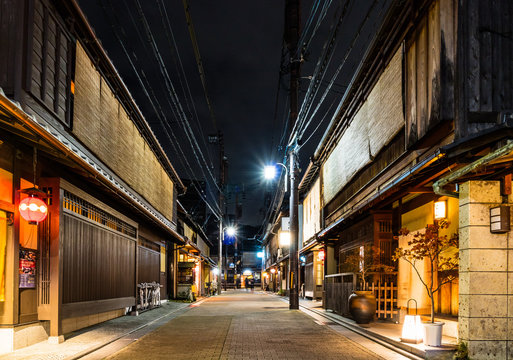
<point>486,275</point>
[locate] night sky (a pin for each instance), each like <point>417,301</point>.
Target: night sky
<point>240,44</point>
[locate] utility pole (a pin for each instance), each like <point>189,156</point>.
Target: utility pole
<point>292,24</point>
<point>221,206</point>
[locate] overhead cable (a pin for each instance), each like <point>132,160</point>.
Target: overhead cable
<point>328,88</point>
<point>158,111</point>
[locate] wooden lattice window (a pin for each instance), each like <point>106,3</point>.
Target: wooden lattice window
<point>79,206</point>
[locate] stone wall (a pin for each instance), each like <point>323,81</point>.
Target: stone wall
<point>486,304</point>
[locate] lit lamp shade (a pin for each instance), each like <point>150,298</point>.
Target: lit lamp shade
<point>284,238</point>
<point>273,270</point>
<point>33,209</point>
<point>413,331</point>
<point>440,210</point>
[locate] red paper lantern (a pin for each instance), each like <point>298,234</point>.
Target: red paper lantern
<point>33,209</point>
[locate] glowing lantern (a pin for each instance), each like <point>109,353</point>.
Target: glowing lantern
<point>273,270</point>
<point>33,209</point>
<point>413,331</point>
<point>440,210</point>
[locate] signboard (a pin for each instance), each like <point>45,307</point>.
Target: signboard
<point>285,223</point>
<point>27,269</point>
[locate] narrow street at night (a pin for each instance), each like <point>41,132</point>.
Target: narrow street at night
<point>245,325</point>
<point>271,179</point>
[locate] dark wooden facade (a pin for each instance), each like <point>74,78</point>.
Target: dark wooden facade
<point>485,55</point>
<point>90,255</point>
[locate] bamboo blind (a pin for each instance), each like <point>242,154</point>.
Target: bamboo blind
<point>375,124</point>
<point>103,125</point>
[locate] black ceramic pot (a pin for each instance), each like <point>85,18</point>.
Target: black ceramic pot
<point>362,306</point>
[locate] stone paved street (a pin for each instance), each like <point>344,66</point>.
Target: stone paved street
<point>243,325</point>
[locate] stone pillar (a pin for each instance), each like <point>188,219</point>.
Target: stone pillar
<point>485,292</point>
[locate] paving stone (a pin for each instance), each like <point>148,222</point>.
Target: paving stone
<point>246,326</point>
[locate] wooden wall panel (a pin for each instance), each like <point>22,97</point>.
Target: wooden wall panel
<point>424,103</point>
<point>11,15</point>
<point>148,265</point>
<point>428,50</point>
<point>49,69</point>
<point>485,55</point>
<point>97,264</point>
<point>106,129</point>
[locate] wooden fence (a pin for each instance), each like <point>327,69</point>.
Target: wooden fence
<point>338,287</point>
<point>386,299</point>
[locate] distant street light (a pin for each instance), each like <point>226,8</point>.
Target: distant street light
<point>231,231</point>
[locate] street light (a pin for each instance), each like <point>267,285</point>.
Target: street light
<point>270,172</point>
<point>231,231</point>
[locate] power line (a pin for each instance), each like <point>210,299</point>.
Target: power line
<point>332,81</point>
<point>320,71</point>
<point>157,108</point>
<point>180,70</point>
<point>172,94</point>
<point>199,62</point>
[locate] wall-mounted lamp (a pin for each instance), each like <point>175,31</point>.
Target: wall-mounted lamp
<point>440,209</point>
<point>499,219</point>
<point>284,238</point>
<point>412,328</point>
<point>273,270</point>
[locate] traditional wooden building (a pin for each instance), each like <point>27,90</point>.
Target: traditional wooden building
<point>194,267</point>
<point>276,246</point>
<point>427,118</point>
<point>69,126</point>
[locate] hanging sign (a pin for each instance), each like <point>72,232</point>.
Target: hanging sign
<point>27,269</point>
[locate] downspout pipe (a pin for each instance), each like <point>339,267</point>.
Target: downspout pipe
<point>438,186</point>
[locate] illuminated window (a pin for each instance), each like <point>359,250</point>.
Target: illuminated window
<point>5,186</point>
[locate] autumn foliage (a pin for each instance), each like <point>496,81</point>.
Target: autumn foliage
<point>440,252</point>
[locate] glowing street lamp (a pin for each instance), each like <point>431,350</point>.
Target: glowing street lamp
<point>270,172</point>
<point>231,231</point>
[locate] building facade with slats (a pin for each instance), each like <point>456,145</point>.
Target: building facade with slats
<point>427,119</point>
<point>69,126</point>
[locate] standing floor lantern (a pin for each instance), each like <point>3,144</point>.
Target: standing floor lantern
<point>412,327</point>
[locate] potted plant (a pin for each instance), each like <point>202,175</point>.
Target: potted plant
<point>364,262</point>
<point>437,250</point>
